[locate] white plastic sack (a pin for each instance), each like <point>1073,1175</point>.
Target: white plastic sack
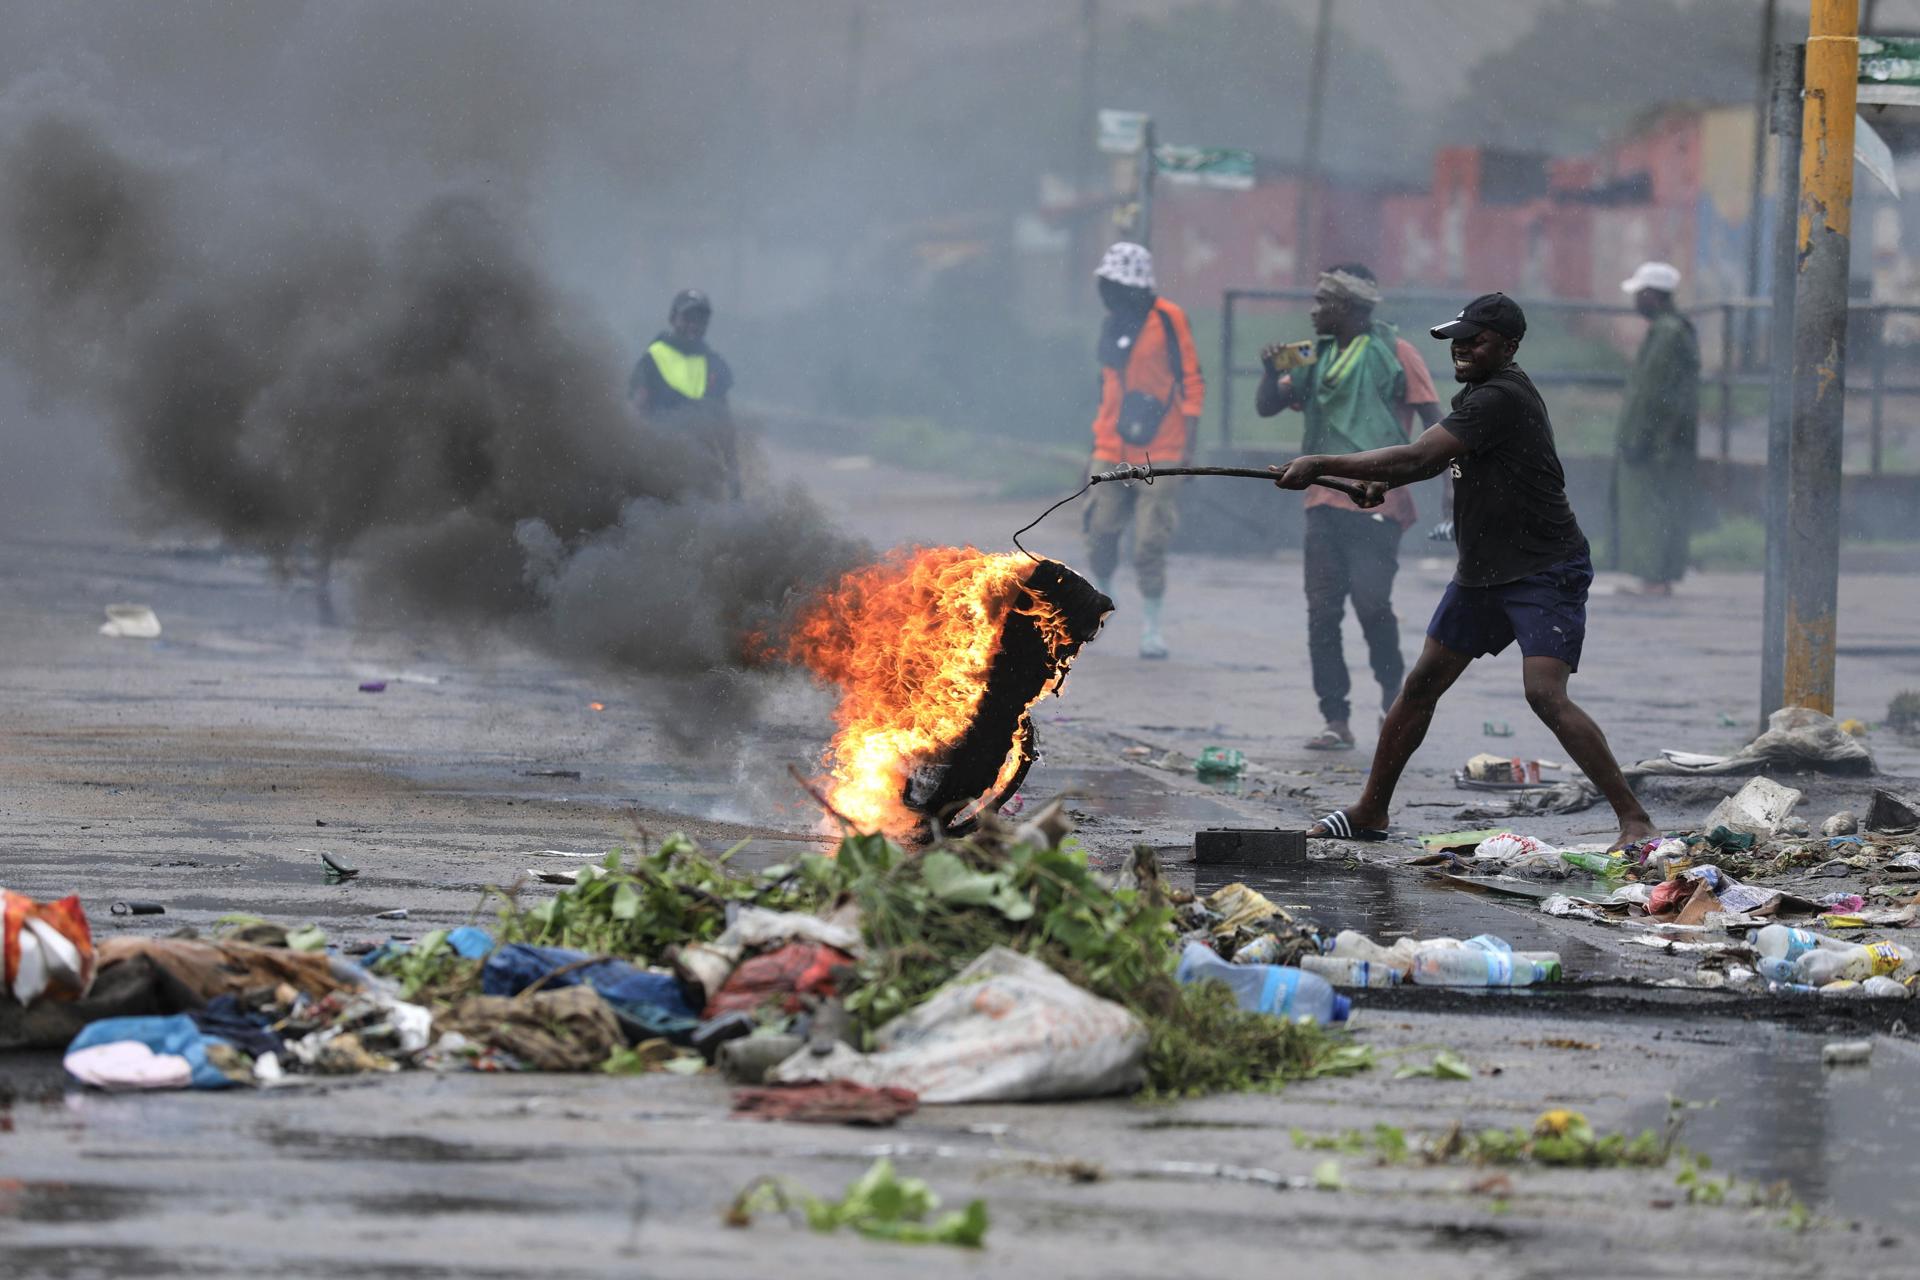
<point>1796,737</point>
<point>1757,809</point>
<point>130,621</point>
<point>756,928</point>
<point>1508,847</point>
<point>1007,1029</point>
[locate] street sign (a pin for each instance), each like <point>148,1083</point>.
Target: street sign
<point>1123,132</point>
<point>1889,60</point>
<point>1226,167</point>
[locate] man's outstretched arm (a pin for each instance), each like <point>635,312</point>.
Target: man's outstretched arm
<point>1394,466</point>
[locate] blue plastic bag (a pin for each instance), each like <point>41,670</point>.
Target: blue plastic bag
<point>653,1000</point>
<point>173,1035</point>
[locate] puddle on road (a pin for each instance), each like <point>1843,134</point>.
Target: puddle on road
<point>1387,902</point>
<point>1842,1137</point>
<point>1129,795</point>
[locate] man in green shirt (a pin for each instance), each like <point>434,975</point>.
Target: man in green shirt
<point>1363,388</point>
<point>1653,479</point>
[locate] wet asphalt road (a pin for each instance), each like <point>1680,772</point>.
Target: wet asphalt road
<point>209,768</point>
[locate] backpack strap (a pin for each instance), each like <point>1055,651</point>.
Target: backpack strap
<point>1172,343</point>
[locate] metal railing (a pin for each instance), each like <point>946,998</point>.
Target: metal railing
<point>1741,342</point>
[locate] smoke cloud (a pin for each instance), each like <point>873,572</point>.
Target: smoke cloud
<point>427,402</point>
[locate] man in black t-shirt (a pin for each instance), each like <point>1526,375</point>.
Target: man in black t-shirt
<point>1523,572</point>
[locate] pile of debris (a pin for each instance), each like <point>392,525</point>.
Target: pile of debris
<point>1723,889</point>
<point>996,967</point>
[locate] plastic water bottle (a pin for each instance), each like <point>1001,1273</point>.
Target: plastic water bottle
<point>1820,966</point>
<point>1546,962</point>
<point>1357,946</point>
<point>1878,960</point>
<point>1787,943</point>
<point>1266,988</point>
<point>1779,970</point>
<point>1611,866</point>
<point>1472,967</point>
<point>1883,988</point>
<point>1488,942</point>
<point>1346,971</point>
<point>1851,962</point>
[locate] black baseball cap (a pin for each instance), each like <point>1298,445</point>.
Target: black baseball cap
<point>1495,311</point>
<point>689,300</point>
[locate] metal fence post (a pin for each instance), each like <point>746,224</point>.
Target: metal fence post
<point>1820,352</point>
<point>1726,381</point>
<point>1773,627</point>
<point>1875,422</point>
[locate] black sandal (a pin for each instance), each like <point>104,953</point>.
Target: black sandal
<point>1340,827</point>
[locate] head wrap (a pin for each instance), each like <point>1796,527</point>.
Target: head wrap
<point>1129,264</point>
<point>1343,284</point>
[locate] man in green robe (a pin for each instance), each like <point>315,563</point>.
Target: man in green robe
<point>1653,478</point>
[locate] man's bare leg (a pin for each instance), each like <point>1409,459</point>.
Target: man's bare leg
<point>1546,684</point>
<point>1406,727</point>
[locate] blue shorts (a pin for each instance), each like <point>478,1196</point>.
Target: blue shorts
<point>1546,612</point>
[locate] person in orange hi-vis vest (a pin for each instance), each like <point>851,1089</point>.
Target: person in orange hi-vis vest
<point>1151,397</point>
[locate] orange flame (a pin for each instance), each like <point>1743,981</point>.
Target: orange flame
<point>909,642</point>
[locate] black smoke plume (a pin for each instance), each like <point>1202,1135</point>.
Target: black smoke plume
<point>427,405</point>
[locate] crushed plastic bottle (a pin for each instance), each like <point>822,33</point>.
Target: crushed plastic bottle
<point>1346,971</point>
<point>1880,987</point>
<point>1218,764</point>
<point>1851,962</point>
<point>1779,941</point>
<point>1266,988</point>
<point>1610,866</point>
<point>1473,967</point>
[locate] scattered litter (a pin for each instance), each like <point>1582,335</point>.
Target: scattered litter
<point>785,976</point>
<point>1449,840</point>
<point>1219,763</point>
<point>130,622</point>
<point>1006,1029</point>
<point>46,948</point>
<point>1795,738</point>
<point>137,909</point>
<point>398,913</point>
<point>1842,823</point>
<point>559,853</point>
<point>653,1000</point>
<point>596,706</point>
<point>336,869</point>
<point>569,1029</point>
<point>150,1053</point>
<point>1892,814</point>
<point>829,1102</point>
<point>571,774</point>
<point>1496,729</point>
<point>1266,988</point>
<point>373,686</point>
<point>1843,1053</point>
<point>1486,772</point>
<point>1756,810</point>
<point>554,877</point>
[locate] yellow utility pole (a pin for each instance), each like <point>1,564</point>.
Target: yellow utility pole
<point>1820,352</point>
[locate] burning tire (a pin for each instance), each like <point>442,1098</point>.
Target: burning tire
<point>940,656</point>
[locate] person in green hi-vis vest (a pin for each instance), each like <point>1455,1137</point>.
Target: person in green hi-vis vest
<point>680,382</point>
<point>1653,478</point>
